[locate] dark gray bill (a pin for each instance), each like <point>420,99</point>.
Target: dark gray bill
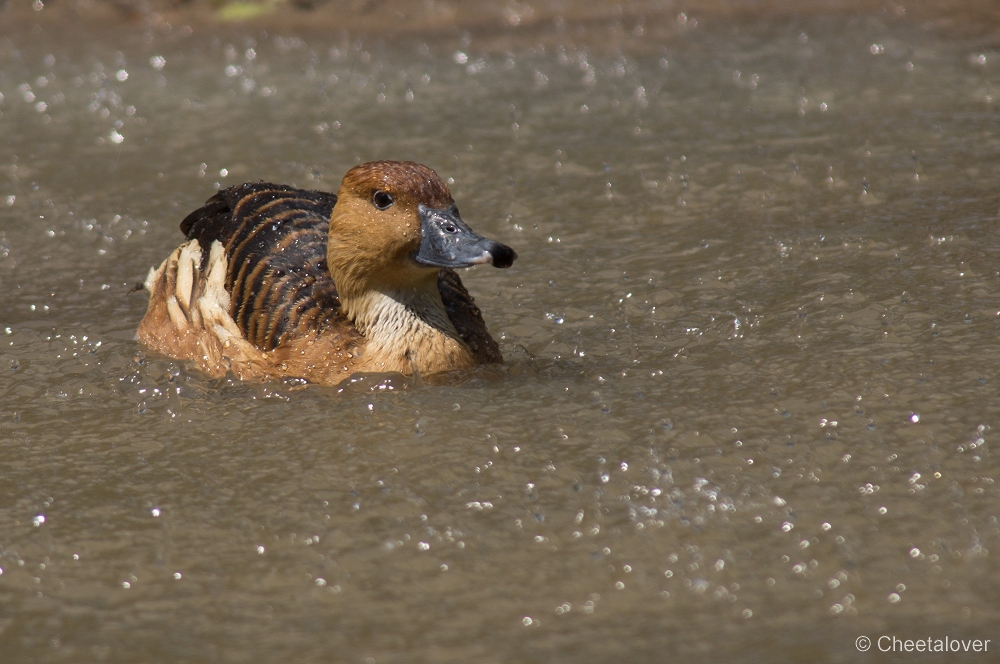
<point>445,241</point>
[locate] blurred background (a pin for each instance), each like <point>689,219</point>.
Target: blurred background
<point>396,17</point>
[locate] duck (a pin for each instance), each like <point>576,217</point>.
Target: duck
<point>276,282</point>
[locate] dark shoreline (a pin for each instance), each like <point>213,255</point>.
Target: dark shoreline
<point>492,24</point>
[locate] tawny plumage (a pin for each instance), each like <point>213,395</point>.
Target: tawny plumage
<point>277,281</point>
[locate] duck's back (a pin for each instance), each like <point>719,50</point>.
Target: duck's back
<point>274,238</point>
<point>275,241</point>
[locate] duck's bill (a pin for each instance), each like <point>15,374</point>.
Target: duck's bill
<point>445,241</point>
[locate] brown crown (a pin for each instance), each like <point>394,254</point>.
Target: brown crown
<point>399,178</point>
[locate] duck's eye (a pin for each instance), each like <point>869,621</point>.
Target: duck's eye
<point>381,200</point>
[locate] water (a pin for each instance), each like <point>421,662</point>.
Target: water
<point>752,345</point>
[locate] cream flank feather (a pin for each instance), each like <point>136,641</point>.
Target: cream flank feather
<point>188,316</point>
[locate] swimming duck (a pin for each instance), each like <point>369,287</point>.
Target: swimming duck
<point>275,281</point>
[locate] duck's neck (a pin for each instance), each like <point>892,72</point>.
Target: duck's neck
<point>408,330</point>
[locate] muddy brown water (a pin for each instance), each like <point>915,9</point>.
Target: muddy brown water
<point>752,344</point>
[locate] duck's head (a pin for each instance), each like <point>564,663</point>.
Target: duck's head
<point>395,225</point>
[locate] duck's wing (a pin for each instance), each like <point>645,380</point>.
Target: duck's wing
<point>274,237</point>
<point>467,318</point>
